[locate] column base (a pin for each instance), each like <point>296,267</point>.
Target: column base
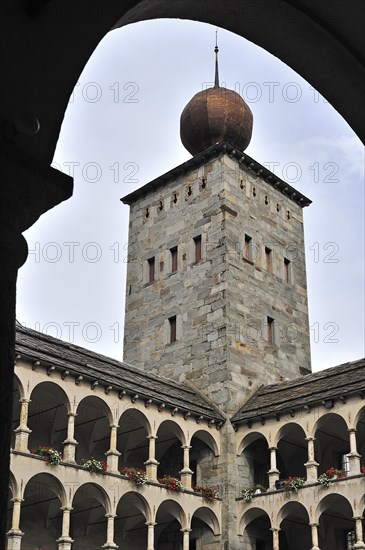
<point>274,475</point>
<point>69,450</point>
<point>359,544</point>
<point>112,458</point>
<point>312,471</point>
<point>64,543</point>
<point>354,465</point>
<point>185,477</point>
<point>21,439</point>
<point>110,546</point>
<point>151,469</point>
<point>14,539</point>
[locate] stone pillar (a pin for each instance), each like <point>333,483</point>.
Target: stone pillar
<point>186,473</point>
<point>110,544</point>
<point>275,538</point>
<point>359,534</point>
<point>353,456</point>
<point>186,538</point>
<point>151,535</point>
<point>13,253</point>
<point>311,465</point>
<point>70,443</point>
<point>151,464</point>
<point>65,541</point>
<point>314,528</point>
<point>22,432</point>
<point>113,454</point>
<point>28,188</point>
<point>273,473</point>
<point>15,534</point>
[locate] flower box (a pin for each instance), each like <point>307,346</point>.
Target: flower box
<point>136,475</point>
<point>51,455</point>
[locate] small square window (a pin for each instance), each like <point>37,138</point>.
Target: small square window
<point>173,252</point>
<point>198,248</point>
<point>172,323</point>
<point>151,269</point>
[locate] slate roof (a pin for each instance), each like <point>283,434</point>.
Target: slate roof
<point>92,366</point>
<point>324,386</point>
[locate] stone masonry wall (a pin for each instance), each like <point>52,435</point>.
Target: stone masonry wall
<point>223,301</point>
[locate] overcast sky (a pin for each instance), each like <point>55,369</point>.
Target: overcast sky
<point>121,130</point>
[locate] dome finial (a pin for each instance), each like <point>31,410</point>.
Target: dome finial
<point>216,78</point>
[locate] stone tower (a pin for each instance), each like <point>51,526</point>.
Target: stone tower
<point>216,283</point>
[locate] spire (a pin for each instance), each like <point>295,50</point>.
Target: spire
<point>216,78</point>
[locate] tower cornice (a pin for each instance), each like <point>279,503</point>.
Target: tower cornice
<point>213,152</point>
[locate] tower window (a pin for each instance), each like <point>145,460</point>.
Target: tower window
<point>198,248</point>
<point>151,269</point>
<point>173,252</point>
<point>172,323</point>
<point>248,247</point>
<point>268,258</point>
<point>270,330</point>
<point>286,270</point>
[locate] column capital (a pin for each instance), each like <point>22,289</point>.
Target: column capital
<point>151,436</point>
<point>17,499</point>
<point>66,508</point>
<point>275,529</point>
<point>354,430</point>
<point>358,518</point>
<point>186,530</point>
<point>111,516</point>
<point>310,438</point>
<point>25,400</point>
<point>272,448</point>
<point>188,447</point>
<point>114,425</point>
<point>72,413</point>
<point>150,523</point>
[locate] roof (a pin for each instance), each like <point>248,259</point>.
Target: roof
<point>213,152</point>
<point>321,387</point>
<point>93,367</point>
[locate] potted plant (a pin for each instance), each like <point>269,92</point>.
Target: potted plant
<point>171,483</point>
<point>330,475</point>
<point>94,465</point>
<point>255,489</point>
<point>51,455</point>
<point>209,493</point>
<point>293,483</point>
<point>136,475</point>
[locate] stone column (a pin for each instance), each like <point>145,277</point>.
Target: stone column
<point>65,541</point>
<point>186,473</point>
<point>15,534</point>
<point>273,473</point>
<point>151,464</point>
<point>311,465</point>
<point>110,544</point>
<point>314,528</point>
<point>22,432</point>
<point>113,454</point>
<point>151,535</point>
<point>353,456</point>
<point>28,188</point>
<point>186,538</point>
<point>275,538</point>
<point>70,443</point>
<point>359,534</point>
